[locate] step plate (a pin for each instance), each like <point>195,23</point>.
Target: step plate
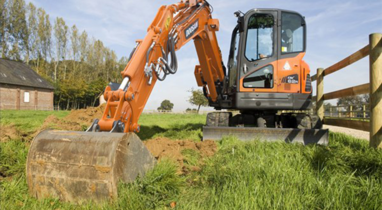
<point>304,136</point>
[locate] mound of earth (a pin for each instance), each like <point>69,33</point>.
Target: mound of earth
<point>179,151</point>
<point>61,124</point>
<point>8,132</point>
<point>85,116</point>
<point>77,120</point>
<point>174,150</point>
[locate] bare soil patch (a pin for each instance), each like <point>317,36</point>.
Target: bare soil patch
<point>8,132</point>
<point>173,150</point>
<point>85,116</point>
<point>186,153</point>
<point>77,120</point>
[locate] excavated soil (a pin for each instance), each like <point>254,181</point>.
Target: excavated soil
<point>8,132</point>
<point>79,120</point>
<point>172,149</point>
<point>85,116</point>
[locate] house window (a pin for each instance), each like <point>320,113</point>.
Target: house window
<point>26,97</point>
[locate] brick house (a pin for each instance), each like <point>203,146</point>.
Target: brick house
<point>23,88</point>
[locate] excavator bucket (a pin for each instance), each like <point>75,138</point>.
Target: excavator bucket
<point>76,166</point>
<point>290,135</point>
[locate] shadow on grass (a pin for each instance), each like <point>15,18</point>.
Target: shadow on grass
<point>147,132</point>
<point>347,156</point>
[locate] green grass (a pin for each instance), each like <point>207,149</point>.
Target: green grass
<point>260,175</point>
<point>347,174</point>
<point>27,120</point>
<point>173,126</point>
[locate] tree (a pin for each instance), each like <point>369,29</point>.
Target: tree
<point>4,21</point>
<point>17,28</point>
<point>84,46</point>
<point>355,101</point>
<point>75,45</point>
<point>32,33</point>
<point>166,105</point>
<point>327,106</point>
<point>79,69</point>
<point>44,35</point>
<point>61,35</point>
<point>365,98</point>
<point>197,98</point>
<point>189,110</point>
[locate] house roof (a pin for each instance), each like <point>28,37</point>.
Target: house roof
<point>18,73</point>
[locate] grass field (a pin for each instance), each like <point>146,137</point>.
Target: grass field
<point>26,120</point>
<point>347,174</point>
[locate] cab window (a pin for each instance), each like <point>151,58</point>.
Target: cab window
<point>262,78</point>
<point>232,62</point>
<point>292,33</point>
<point>259,43</point>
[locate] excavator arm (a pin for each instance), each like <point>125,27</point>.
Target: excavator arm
<point>154,58</point>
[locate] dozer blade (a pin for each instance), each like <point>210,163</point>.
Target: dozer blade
<point>77,166</point>
<point>305,136</point>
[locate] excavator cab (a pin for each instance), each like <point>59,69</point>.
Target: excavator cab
<point>267,82</point>
<point>265,66</point>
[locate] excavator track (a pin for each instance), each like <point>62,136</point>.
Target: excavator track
<point>76,166</point>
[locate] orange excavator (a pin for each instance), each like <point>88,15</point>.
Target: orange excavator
<point>266,80</point>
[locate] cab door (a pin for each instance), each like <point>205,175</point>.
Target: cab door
<point>292,44</point>
<point>258,52</point>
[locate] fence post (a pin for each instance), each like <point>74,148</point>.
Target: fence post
<point>320,93</point>
<point>364,111</point>
<point>339,111</point>
<point>375,44</point>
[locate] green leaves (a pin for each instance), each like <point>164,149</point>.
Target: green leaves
<point>166,105</point>
<point>197,98</point>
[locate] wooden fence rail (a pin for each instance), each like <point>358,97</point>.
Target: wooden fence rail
<point>374,88</point>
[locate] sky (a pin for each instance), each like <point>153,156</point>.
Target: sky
<point>335,29</point>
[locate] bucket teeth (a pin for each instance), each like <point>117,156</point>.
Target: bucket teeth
<point>76,166</point>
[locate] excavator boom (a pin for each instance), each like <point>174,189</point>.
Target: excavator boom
<point>154,59</point>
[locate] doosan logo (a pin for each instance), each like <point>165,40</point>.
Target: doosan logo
<point>191,29</point>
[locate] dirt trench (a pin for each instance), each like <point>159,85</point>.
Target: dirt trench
<point>175,150</point>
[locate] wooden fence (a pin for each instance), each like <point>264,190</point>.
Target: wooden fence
<point>352,112</point>
<point>374,88</point>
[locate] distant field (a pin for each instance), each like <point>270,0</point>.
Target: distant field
<point>27,120</point>
<point>347,174</point>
